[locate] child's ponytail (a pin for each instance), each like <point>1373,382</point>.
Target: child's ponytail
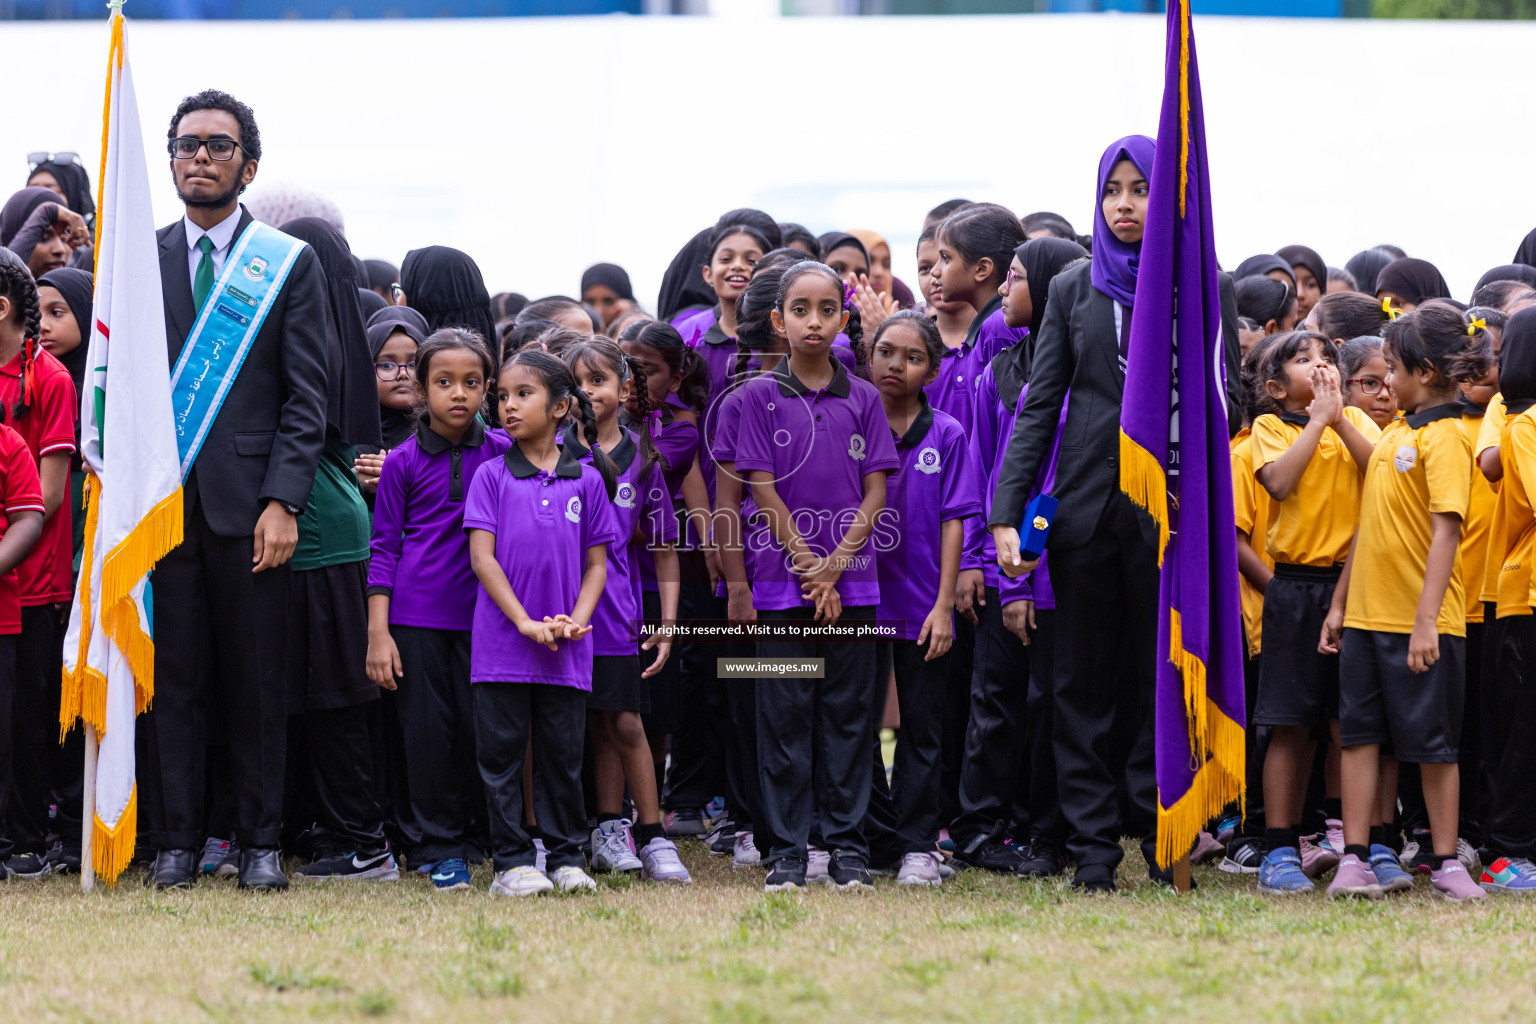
<point>1438,338</point>
<point>649,456</point>
<point>17,285</point>
<point>600,459</point>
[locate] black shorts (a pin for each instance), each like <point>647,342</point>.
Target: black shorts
<point>616,684</point>
<point>1297,685</point>
<point>1382,700</point>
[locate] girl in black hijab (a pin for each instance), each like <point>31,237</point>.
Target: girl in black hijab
<point>1036,261</point>
<point>1266,265</point>
<point>1365,266</point>
<point>64,295</point>
<point>1407,283</point>
<point>1527,252</point>
<point>606,288</point>
<point>351,401</point>
<point>74,185</point>
<point>1311,275</point>
<point>445,286</point>
<point>397,418</point>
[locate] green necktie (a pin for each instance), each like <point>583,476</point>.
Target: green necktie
<point>202,284</point>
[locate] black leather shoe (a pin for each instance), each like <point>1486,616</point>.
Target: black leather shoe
<point>261,867</point>
<point>1094,878</point>
<point>172,869</point>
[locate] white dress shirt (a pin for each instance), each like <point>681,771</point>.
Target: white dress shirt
<point>223,234</point>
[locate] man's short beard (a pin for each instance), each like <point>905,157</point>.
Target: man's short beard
<point>210,204</point>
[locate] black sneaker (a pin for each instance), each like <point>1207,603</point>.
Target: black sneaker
<point>722,839</point>
<point>1244,856</point>
<point>846,872</point>
<point>1000,855</point>
<point>64,861</point>
<point>785,875</point>
<point>1045,860</point>
<point>356,866</point>
<point>29,865</point>
<point>1094,878</point>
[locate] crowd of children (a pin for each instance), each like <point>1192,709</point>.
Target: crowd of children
<point>793,439</point>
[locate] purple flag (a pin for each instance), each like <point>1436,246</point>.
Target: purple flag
<point>1174,463</point>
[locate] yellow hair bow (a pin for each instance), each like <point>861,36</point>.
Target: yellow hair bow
<point>1393,312</point>
<point>1476,325</point>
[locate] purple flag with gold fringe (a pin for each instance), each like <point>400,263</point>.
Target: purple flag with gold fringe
<point>1174,463</point>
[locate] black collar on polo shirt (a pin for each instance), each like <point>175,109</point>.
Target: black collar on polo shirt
<point>1447,411</point>
<point>621,456</point>
<point>433,443</point>
<point>1299,419</point>
<point>920,426</point>
<point>793,387</point>
<point>569,465</point>
<point>1518,406</point>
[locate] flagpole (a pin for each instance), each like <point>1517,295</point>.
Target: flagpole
<point>88,813</point>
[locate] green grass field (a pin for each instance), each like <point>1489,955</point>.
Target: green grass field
<point>980,949</point>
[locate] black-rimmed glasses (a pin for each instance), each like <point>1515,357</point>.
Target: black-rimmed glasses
<point>388,371</point>
<point>186,147</point>
<point>1368,385</point>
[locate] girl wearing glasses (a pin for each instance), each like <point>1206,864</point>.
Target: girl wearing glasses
<point>1364,371</point>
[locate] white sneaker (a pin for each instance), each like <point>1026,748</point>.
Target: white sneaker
<point>521,881</point>
<point>918,869</point>
<point>816,865</point>
<point>1466,854</point>
<point>744,854</point>
<point>611,850</point>
<point>540,856</point>
<point>1410,851</point>
<point>572,879</point>
<point>661,863</point>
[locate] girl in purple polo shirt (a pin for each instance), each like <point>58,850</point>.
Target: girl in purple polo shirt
<point>733,254</point>
<point>539,525</point>
<point>644,519</point>
<point>815,447</point>
<point>928,498</point>
<point>976,245</point>
<point>421,598</point>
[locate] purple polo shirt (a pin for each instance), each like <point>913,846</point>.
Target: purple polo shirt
<point>991,427</point>
<point>420,556</point>
<point>1037,585</point>
<point>954,390</point>
<point>819,446</point>
<point>727,429</point>
<point>692,323</point>
<point>544,523</point>
<point>678,442</point>
<point>934,483</point>
<point>642,516</point>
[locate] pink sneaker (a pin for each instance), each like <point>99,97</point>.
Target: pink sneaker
<point>1206,848</point>
<point>1455,884</point>
<point>1355,878</point>
<point>1316,860</point>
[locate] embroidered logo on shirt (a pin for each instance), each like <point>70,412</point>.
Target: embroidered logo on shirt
<point>1405,458</point>
<point>256,269</point>
<point>573,509</point>
<point>624,497</point>
<point>928,461</point>
<point>856,448</point>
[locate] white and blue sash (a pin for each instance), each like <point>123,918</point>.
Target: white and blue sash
<point>227,325</point>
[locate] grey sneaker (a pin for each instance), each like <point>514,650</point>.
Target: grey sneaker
<point>745,853</point>
<point>918,869</point>
<point>684,823</point>
<point>661,864</point>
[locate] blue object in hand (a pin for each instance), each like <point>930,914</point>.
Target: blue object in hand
<point>1036,526</point>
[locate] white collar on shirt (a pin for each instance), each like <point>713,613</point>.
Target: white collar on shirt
<point>222,233</point>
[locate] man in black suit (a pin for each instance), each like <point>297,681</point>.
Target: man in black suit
<point>221,598</point>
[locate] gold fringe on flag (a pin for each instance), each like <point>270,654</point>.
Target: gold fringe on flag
<point>112,848</point>
<point>1217,744</point>
<point>71,696</point>
<point>1183,102</point>
<point>1143,481</point>
<point>125,565</point>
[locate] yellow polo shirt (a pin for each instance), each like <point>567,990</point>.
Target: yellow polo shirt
<point>1475,528</point>
<point>1315,525</point>
<point>1251,504</point>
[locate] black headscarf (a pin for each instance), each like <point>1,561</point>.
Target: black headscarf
<point>1365,266</point>
<point>1525,273</point>
<point>1042,259</point>
<point>76,185</point>
<point>444,285</point>
<point>682,286</point>
<point>1412,280</point>
<point>1258,266</point>
<point>611,276</point>
<point>1301,256</point>
<point>1527,252</point>
<point>19,207</point>
<point>352,401</point>
<point>381,274</point>
<point>76,286</point>
<point>391,319</point>
<point>834,240</point>
<point>370,301</point>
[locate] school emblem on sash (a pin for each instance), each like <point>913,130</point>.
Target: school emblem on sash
<point>256,269</point>
<point>573,509</point>
<point>624,497</point>
<point>928,461</point>
<point>856,448</point>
